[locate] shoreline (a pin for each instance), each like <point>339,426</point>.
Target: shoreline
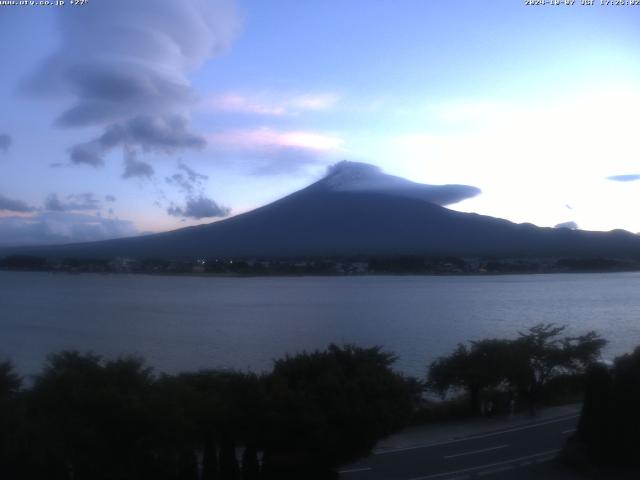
<point>332,274</point>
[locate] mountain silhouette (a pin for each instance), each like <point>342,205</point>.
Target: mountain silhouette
<point>358,210</point>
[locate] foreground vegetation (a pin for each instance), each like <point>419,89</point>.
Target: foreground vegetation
<point>527,368</point>
<point>84,417</point>
<point>87,418</point>
<point>607,438</point>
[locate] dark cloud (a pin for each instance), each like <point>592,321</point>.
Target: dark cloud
<point>5,142</point>
<point>166,134</point>
<point>61,227</point>
<point>198,207</point>
<point>134,168</point>
<point>109,198</point>
<point>192,175</point>
<point>197,204</point>
<point>568,225</point>
<point>89,153</point>
<point>142,133</point>
<point>106,94</point>
<point>127,70</point>
<point>53,203</point>
<point>188,181</point>
<point>11,205</point>
<point>73,202</point>
<point>624,178</point>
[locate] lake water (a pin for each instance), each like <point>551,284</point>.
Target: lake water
<point>186,323</point>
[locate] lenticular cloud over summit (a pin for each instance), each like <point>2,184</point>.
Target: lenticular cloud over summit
<point>349,176</point>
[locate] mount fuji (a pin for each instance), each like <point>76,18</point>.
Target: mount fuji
<point>357,210</point>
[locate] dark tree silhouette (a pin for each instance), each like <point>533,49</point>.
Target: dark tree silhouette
<point>11,417</point>
<point>85,418</point>
<point>525,364</point>
<point>540,354</point>
<point>481,365</point>
<point>89,418</point>
<point>10,382</point>
<point>328,408</point>
<point>609,427</point>
<point>24,262</point>
<point>227,410</point>
<point>625,402</point>
<point>594,423</point>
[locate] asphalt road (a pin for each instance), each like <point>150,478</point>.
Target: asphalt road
<point>508,453</point>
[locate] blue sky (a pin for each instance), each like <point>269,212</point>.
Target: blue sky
<point>120,118</point>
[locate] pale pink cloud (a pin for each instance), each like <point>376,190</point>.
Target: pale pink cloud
<point>231,102</point>
<point>268,137</point>
<point>267,151</point>
<point>271,105</point>
<point>317,101</point>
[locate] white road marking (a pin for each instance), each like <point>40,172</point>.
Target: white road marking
<point>355,470</point>
<point>491,471</point>
<point>571,430</point>
<point>487,466</point>
<point>475,437</point>
<point>473,452</point>
<point>545,459</point>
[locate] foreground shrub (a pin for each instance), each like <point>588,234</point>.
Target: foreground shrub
<point>85,418</point>
<point>609,430</point>
<point>528,366</point>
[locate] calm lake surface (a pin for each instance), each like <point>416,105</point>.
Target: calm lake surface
<point>186,323</point>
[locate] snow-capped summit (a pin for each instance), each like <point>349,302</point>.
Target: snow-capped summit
<point>347,176</point>
<point>356,176</point>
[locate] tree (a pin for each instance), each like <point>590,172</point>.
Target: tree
<point>10,382</point>
<point>540,354</point>
<point>624,414</point>
<point>609,426</point>
<point>24,262</point>
<point>10,419</point>
<point>90,418</point>
<point>526,363</point>
<point>473,368</point>
<point>212,412</point>
<point>330,407</point>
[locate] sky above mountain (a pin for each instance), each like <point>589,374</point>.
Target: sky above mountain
<point>124,117</point>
